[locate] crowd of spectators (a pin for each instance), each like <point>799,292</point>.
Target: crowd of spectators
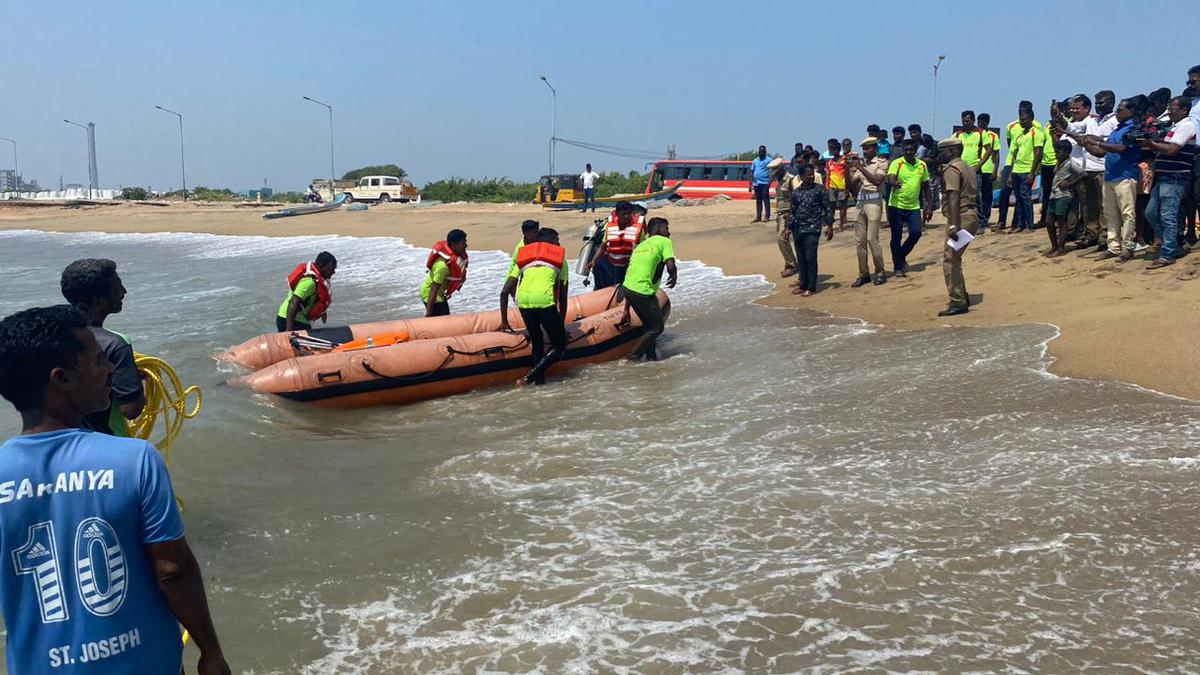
<point>1115,178</point>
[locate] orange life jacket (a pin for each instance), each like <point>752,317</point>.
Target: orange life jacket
<point>620,242</point>
<point>541,254</point>
<point>456,263</point>
<point>324,295</point>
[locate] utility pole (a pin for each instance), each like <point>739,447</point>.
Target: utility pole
<point>553,120</point>
<point>93,174</point>
<point>933,123</point>
<point>331,174</point>
<point>182,165</point>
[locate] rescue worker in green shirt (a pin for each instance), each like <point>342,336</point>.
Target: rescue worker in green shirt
<point>980,149</point>
<point>539,277</point>
<point>641,283</point>
<point>309,294</point>
<point>447,265</point>
<point>529,235</point>
<point>94,288</point>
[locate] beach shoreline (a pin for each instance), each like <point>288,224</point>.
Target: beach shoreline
<point>1115,321</point>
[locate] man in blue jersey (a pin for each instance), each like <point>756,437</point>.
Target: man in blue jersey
<point>95,573</point>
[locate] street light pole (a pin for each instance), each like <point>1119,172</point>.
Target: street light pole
<point>331,174</point>
<point>93,174</point>
<point>16,169</point>
<point>933,124</point>
<point>553,120</point>
<point>182,165</point>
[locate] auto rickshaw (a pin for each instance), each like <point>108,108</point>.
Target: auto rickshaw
<point>560,187</point>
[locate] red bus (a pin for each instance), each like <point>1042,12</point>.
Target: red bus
<point>703,178</point>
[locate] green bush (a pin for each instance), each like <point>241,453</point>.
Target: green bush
<point>492,190</point>
<point>615,183</point>
<point>133,193</point>
<point>214,195</point>
<point>381,170</point>
<point>289,197</point>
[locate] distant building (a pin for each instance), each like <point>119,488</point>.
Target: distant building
<point>10,180</point>
<point>255,193</point>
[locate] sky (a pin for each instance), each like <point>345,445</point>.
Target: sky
<point>452,88</point>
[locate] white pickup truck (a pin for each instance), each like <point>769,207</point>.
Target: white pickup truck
<point>382,189</point>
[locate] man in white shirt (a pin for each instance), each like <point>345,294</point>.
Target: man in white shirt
<point>1106,112</point>
<point>589,179</point>
<point>1174,157</point>
<point>1084,123</point>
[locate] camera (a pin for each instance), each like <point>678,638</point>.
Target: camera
<point>1149,131</point>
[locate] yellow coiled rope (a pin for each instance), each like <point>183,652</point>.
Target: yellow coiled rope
<point>166,398</point>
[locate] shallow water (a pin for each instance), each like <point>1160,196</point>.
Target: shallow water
<point>784,492</point>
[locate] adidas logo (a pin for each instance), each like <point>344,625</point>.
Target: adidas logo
<point>38,551</point>
<point>93,532</point>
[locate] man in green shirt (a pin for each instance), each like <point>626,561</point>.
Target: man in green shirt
<point>1024,108</point>
<point>296,311</point>
<point>641,285</point>
<point>979,148</point>
<point>988,172</point>
<point>446,273</point>
<point>539,277</point>
<point>1025,157</point>
<point>529,235</point>
<point>909,178</point>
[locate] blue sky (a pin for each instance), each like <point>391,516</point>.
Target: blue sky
<point>451,88</point>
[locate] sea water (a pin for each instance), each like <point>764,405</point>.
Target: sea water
<point>784,492</point>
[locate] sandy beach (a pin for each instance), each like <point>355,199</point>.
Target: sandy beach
<point>1117,321</point>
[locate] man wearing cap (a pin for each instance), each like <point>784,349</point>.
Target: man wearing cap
<point>866,175</point>
<point>961,209</point>
<point>785,182</point>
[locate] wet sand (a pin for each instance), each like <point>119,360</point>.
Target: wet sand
<point>1117,321</point>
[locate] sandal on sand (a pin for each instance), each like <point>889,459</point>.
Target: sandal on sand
<point>1160,263</point>
<point>806,294</point>
<point>787,272</point>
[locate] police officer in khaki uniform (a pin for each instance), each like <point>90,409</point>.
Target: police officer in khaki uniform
<point>962,213</point>
<point>785,182</point>
<point>865,176</point>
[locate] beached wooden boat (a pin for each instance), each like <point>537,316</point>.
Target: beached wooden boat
<point>305,210</point>
<point>609,202</point>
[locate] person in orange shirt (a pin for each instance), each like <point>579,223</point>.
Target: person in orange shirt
<point>835,180</point>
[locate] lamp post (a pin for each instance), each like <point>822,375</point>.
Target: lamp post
<point>330,108</point>
<point>93,177</point>
<point>182,165</point>
<point>553,120</point>
<point>16,169</point>
<point>933,123</point>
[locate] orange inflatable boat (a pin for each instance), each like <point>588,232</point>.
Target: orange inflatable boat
<point>417,370</point>
<point>262,351</point>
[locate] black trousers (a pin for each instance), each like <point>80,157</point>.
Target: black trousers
<point>441,309</point>
<point>649,311</point>
<point>806,258</point>
<point>281,325</point>
<point>537,320</point>
<point>762,201</point>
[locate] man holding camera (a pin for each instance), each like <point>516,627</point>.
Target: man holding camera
<point>1174,156</point>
